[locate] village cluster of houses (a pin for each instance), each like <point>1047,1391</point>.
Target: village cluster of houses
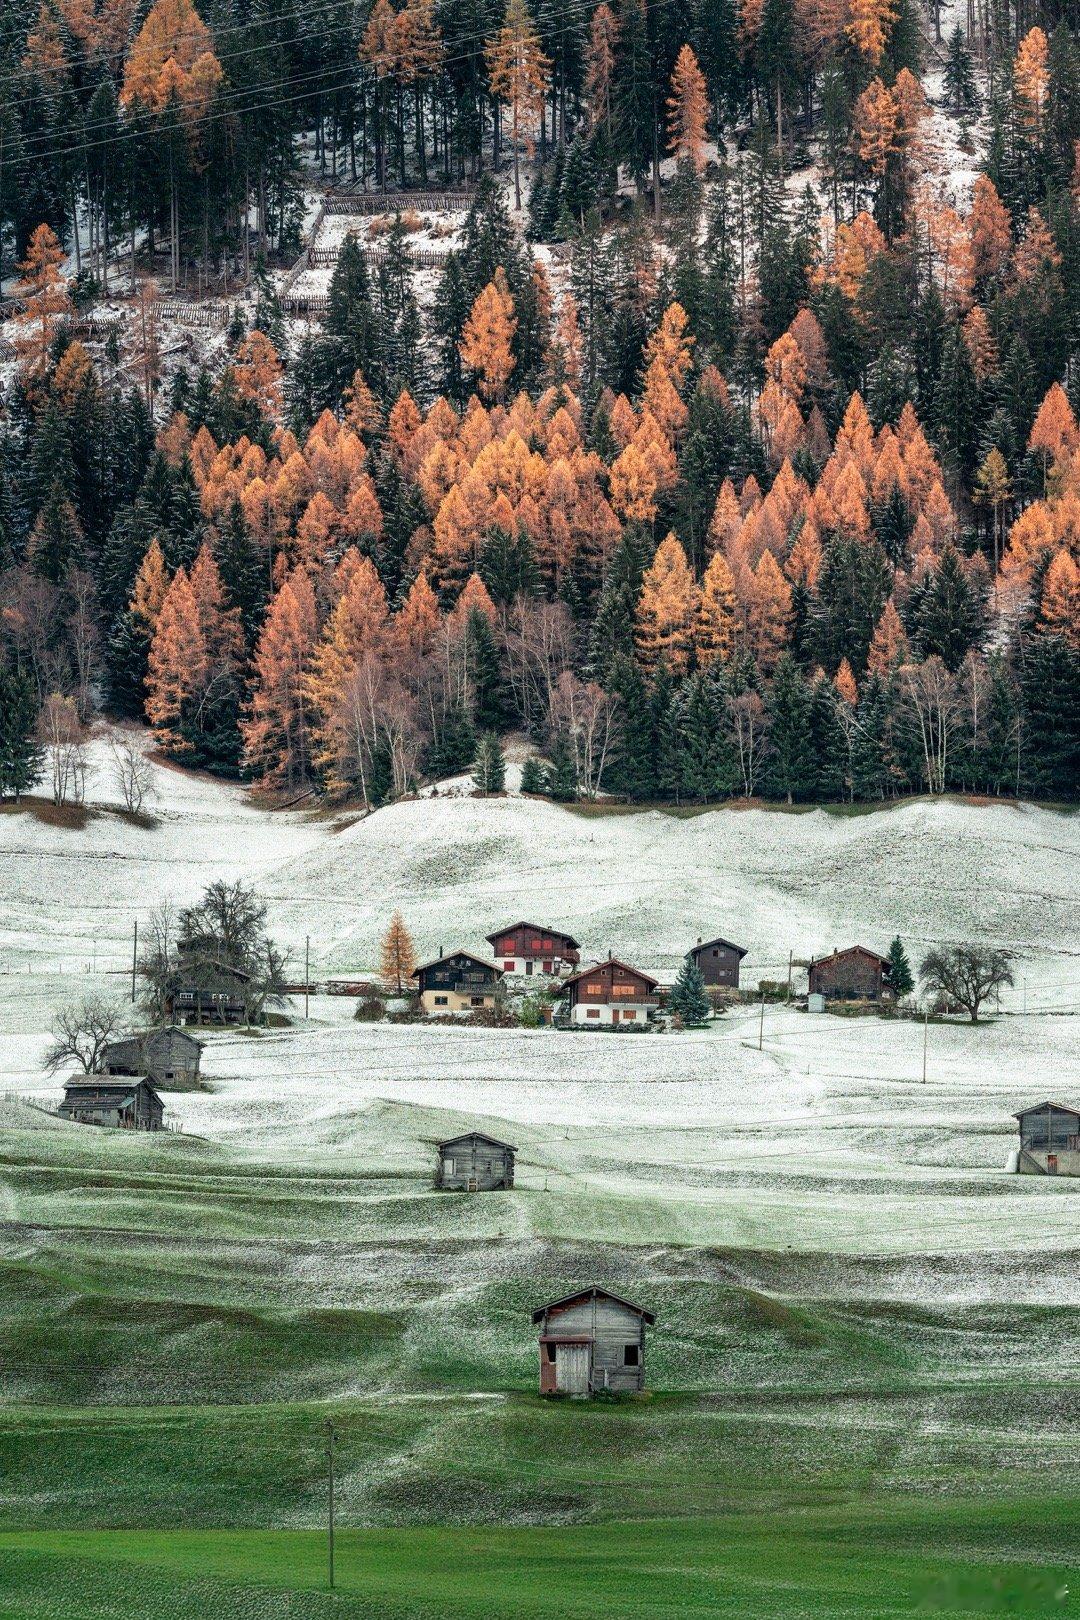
<point>609,992</point>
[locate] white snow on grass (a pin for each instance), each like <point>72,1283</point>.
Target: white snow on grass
<point>826,1139</point>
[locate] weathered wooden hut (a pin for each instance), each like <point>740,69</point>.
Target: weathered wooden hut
<point>1049,1140</point>
<point>592,1340</point>
<point>612,993</point>
<point>528,948</point>
<point>169,1057</point>
<point>475,1162</point>
<point>853,974</point>
<point>717,960</point>
<point>129,1103</point>
<point>457,983</point>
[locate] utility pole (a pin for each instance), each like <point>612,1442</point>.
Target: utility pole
<point>761,1023</point>
<point>307,986</point>
<point>790,957</point>
<point>925,1038</point>
<point>134,957</point>
<point>331,1436</point>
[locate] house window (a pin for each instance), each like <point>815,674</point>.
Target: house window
<point>441,1001</point>
<point>549,1352</point>
<point>596,989</point>
<point>508,967</point>
<point>448,1167</point>
<point>547,967</point>
<point>628,1012</point>
<point>476,1001</point>
<point>631,1355</point>
<point>592,1012</point>
<point>624,990</point>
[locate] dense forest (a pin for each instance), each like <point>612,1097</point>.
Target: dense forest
<point>723,455</point>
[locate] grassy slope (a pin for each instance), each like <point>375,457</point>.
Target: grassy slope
<point>951,1560</point>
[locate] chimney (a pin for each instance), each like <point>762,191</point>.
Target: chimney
<point>699,939</point>
<point>440,950</point>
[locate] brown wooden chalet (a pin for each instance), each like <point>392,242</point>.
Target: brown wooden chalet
<point>528,948</point>
<point>717,960</point>
<point>592,1340</point>
<point>206,990</point>
<point>458,982</point>
<point>611,993</point>
<point>168,1057</point>
<point>853,974</point>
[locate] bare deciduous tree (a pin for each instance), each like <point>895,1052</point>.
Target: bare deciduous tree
<point>81,1031</point>
<point>132,774</point>
<point>933,695</point>
<point>585,712</point>
<point>83,634</point>
<point>966,974</point>
<point>748,725</point>
<point>64,736</point>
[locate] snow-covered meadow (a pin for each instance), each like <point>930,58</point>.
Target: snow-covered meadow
<point>824,1139</point>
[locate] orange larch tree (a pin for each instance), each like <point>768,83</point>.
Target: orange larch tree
<point>666,610</point>
<point>487,339</point>
<point>714,632</point>
<point>688,106</point>
<point>46,303</point>
<point>277,740</point>
<point>518,74</point>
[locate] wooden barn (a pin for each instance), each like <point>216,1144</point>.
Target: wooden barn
<point>475,1163</point>
<point>168,1057</point>
<point>528,948</point>
<point>126,1103</point>
<point>1049,1140</point>
<point>611,993</point>
<point>590,1341</point>
<point>853,974</point>
<point>717,960</point>
<point>457,983</point>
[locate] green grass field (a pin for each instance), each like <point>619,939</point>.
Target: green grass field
<point>955,1559</point>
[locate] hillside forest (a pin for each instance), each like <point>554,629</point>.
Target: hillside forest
<point>732,451</point>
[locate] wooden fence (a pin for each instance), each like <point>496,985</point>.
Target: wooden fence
<point>416,256</point>
<point>367,203</point>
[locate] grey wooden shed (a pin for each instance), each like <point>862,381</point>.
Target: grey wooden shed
<point>169,1056</point>
<point>592,1340</point>
<point>125,1102</point>
<point>475,1162</point>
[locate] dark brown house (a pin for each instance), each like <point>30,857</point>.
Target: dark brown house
<point>854,974</point>
<point>208,993</point>
<point>457,983</point>
<point>590,1341</point>
<point>717,960</point>
<point>475,1162</point>
<point>528,948</point>
<point>612,993</point>
<point>126,1103</point>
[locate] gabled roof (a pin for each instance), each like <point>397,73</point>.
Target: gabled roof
<point>110,1082</point>
<point>703,944</point>
<point>1037,1108</point>
<point>610,961</point>
<point>593,1293</point>
<point>850,950</point>
<point>538,928</point>
<point>476,1136</point>
<point>481,961</point>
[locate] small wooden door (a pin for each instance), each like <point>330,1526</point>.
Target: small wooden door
<point>572,1368</point>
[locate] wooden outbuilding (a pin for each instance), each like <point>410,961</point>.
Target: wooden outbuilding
<point>1049,1140</point>
<point>168,1057</point>
<point>475,1162</point>
<point>592,1340</point>
<point>457,983</point>
<point>528,948</point>
<point>853,974</point>
<point>128,1103</point>
<point>611,993</point>
<point>717,960</point>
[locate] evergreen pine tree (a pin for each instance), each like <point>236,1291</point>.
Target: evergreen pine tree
<point>532,776</point>
<point>900,976</point>
<point>959,77</point>
<point>790,772</point>
<point>689,999</point>
<point>486,673</point>
<point>560,779</point>
<point>1051,691</point>
<point>489,772</point>
<point>950,615</point>
<point>21,755</point>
